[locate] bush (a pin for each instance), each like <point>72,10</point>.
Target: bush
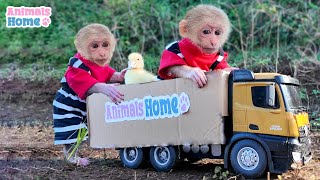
<point>268,36</point>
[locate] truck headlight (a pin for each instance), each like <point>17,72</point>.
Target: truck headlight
<point>297,157</point>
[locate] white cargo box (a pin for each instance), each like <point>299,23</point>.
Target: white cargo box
<point>167,112</point>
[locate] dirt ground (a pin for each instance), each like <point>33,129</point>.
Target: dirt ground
<point>27,150</point>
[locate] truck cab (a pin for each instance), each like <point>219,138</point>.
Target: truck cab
<point>270,127</point>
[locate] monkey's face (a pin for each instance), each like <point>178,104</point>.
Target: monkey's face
<point>206,26</point>
<point>98,49</point>
<point>209,38</point>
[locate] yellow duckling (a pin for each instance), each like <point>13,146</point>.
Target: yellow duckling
<point>135,73</point>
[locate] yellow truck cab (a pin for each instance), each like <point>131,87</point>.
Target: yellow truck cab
<point>268,126</point>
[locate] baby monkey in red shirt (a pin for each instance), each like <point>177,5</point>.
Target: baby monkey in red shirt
<point>204,29</point>
<point>88,72</point>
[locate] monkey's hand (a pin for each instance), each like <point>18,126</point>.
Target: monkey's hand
<point>118,76</point>
<point>122,73</point>
<point>197,75</point>
<point>230,69</point>
<point>109,90</point>
<point>194,73</point>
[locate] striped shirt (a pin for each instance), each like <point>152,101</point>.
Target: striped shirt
<point>69,105</point>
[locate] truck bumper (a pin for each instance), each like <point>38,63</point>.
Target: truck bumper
<point>300,151</point>
<point>287,153</point>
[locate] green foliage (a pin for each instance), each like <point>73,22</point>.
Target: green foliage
<point>33,72</point>
<point>82,133</point>
<point>315,124</point>
<point>53,45</point>
<point>303,93</point>
<point>147,26</point>
<point>268,36</point>
<point>219,173</point>
<point>315,92</point>
<point>286,28</point>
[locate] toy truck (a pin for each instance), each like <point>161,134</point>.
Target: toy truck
<point>255,122</point>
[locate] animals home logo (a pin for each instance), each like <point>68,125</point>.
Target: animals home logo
<point>23,17</point>
<point>148,108</point>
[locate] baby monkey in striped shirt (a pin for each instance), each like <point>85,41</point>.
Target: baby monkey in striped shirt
<point>88,72</point>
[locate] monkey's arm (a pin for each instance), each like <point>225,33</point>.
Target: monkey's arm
<point>180,71</point>
<point>118,76</point>
<point>79,81</point>
<point>107,89</point>
<point>83,84</point>
<point>168,60</point>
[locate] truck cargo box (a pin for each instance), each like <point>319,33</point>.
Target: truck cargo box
<point>166,112</point>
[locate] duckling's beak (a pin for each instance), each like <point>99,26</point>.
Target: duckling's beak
<point>131,65</point>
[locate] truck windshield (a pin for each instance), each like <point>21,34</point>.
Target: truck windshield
<point>291,97</point>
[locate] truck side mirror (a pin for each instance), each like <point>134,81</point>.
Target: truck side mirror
<point>270,96</point>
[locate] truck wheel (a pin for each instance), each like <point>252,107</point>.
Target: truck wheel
<point>248,158</point>
<point>162,158</point>
<point>131,157</point>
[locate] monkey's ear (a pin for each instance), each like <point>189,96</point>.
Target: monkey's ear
<point>183,28</point>
<point>77,45</point>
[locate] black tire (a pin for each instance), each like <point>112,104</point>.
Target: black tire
<point>163,158</point>
<point>131,157</point>
<point>248,158</point>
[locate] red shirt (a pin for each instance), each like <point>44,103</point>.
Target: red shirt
<point>193,57</point>
<point>80,81</point>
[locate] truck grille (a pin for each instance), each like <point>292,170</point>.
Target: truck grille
<point>305,140</point>
<point>304,131</point>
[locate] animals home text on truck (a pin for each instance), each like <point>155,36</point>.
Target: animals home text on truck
<point>255,122</point>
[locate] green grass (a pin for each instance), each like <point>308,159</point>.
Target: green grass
<point>33,72</point>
